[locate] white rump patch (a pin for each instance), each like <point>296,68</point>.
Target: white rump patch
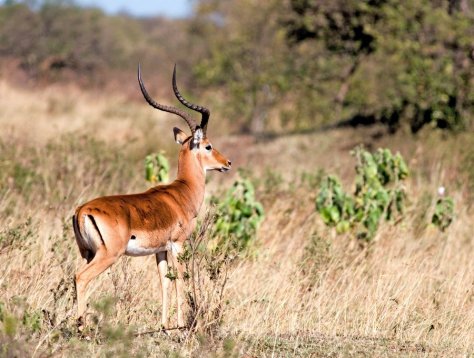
<point>90,233</point>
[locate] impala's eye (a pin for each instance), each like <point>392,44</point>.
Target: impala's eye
<point>209,147</point>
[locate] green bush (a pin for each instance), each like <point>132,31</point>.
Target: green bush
<point>379,194</point>
<point>444,213</point>
<point>157,168</point>
<point>238,214</point>
<point>17,317</point>
<point>206,269</point>
<point>228,227</point>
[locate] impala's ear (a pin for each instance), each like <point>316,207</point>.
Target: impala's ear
<point>179,135</point>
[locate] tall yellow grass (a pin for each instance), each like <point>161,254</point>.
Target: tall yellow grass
<point>303,292</point>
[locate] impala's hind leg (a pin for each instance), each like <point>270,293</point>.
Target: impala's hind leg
<point>89,271</point>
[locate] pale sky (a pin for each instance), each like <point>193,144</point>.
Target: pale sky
<point>143,8</point>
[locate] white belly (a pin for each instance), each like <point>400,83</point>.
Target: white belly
<point>134,249</point>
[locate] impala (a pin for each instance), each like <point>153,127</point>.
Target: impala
<point>157,221</point>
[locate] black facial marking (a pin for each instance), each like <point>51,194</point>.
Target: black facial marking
<point>193,145</point>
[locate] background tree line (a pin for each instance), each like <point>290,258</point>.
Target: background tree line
<point>273,66</point>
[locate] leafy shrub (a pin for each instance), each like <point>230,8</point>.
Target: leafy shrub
<point>444,213</point>
<point>220,237</point>
<point>32,320</point>
<point>206,267</point>
<point>18,318</point>
<point>238,214</point>
<point>10,324</point>
<point>334,205</point>
<point>378,194</point>
<point>157,168</point>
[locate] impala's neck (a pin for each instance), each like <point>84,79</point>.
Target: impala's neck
<point>192,177</point>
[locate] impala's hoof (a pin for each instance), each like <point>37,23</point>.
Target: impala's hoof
<point>80,324</point>
<point>184,331</point>
<point>164,330</point>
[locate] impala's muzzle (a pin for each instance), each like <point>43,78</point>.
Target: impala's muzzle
<point>226,168</point>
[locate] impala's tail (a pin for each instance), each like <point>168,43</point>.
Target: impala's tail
<point>88,236</point>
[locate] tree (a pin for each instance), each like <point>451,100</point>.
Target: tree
<point>417,58</point>
<point>246,58</point>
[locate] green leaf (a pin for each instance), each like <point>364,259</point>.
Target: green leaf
<point>334,214</point>
<point>343,227</point>
<point>326,215</point>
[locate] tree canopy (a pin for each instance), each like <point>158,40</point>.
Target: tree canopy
<point>275,65</point>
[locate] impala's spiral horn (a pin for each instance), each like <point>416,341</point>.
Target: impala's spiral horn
<point>203,110</point>
<point>191,123</point>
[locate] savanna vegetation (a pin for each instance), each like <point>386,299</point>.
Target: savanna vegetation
<point>345,228</point>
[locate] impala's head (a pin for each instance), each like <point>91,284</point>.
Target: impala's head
<point>201,147</point>
<point>197,144</point>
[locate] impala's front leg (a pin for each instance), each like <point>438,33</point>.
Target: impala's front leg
<point>176,250</point>
<point>165,282</point>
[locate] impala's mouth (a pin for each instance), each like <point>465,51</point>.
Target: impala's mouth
<point>224,169</point>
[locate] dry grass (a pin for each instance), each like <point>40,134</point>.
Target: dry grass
<point>304,291</point>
